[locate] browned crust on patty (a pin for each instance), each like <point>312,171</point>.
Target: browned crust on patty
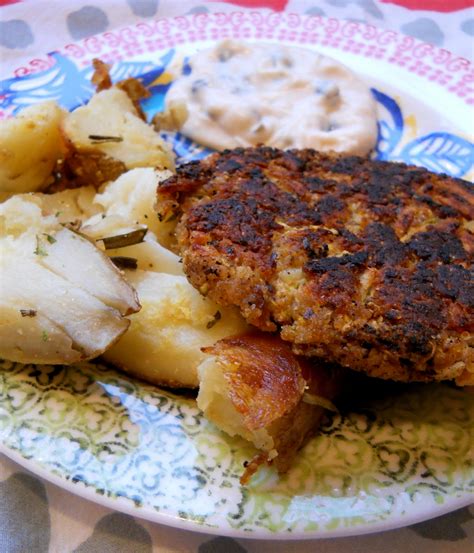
<point>360,262</point>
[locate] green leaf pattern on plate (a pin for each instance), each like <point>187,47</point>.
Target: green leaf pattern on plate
<point>94,426</point>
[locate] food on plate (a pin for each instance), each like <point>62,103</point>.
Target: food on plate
<point>255,387</point>
<point>132,197</point>
<point>62,300</point>
<point>359,262</point>
<point>107,136</point>
<point>246,94</point>
<point>30,145</point>
<point>164,341</point>
<point>355,262</point>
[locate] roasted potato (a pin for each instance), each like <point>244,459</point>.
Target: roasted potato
<point>30,146</point>
<point>255,387</point>
<point>110,125</point>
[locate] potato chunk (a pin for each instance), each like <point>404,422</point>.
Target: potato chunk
<point>61,298</point>
<point>255,387</point>
<point>30,146</point>
<point>109,124</point>
<point>163,344</point>
<point>133,195</point>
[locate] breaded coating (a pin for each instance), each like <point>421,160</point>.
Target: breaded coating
<point>364,263</point>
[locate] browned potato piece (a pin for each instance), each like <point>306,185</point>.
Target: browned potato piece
<point>255,387</point>
<point>110,125</point>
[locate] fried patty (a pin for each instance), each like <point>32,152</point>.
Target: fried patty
<point>365,263</point>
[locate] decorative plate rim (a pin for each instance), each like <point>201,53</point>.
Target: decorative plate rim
<point>436,65</point>
<point>88,493</point>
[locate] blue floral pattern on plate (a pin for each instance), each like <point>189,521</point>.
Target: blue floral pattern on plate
<point>441,152</point>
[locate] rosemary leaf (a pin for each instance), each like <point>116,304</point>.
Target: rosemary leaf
<point>126,239</point>
<point>123,262</point>
<point>39,250</point>
<point>99,139</point>
<point>28,312</point>
<point>217,317</point>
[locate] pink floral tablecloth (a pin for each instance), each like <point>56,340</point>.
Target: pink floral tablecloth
<point>36,516</point>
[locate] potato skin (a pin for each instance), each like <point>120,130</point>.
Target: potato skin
<point>254,386</point>
<point>61,298</point>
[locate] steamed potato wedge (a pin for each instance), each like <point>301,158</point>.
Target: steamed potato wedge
<point>70,297</point>
<point>30,146</point>
<point>164,341</point>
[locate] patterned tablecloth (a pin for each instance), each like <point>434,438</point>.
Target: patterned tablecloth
<point>36,516</point>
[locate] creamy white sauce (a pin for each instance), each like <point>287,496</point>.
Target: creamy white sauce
<point>241,94</point>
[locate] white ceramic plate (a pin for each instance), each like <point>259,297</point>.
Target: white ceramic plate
<point>389,462</point>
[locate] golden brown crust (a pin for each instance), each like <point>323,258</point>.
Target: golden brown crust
<point>133,88</point>
<point>266,384</point>
<point>360,262</point>
<point>292,431</point>
<point>101,76</point>
<point>85,168</point>
<point>263,374</point>
<point>137,92</point>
